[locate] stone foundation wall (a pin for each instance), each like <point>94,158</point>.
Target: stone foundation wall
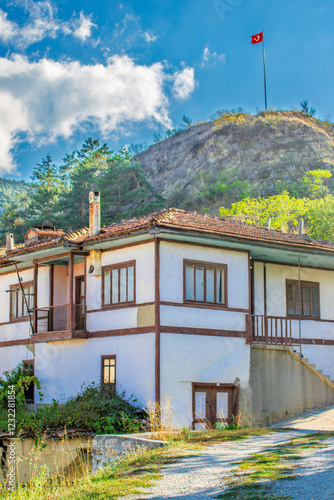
<point>108,447</point>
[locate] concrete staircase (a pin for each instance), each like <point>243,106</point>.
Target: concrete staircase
<point>313,368</point>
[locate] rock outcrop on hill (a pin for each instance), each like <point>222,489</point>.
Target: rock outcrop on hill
<point>255,151</point>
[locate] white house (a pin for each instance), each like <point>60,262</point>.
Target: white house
<point>221,317</point>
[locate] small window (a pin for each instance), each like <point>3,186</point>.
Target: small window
<point>21,302</point>
<point>118,284</point>
<point>303,300</point>
<point>205,282</point>
<point>28,369</point>
<point>108,370</point>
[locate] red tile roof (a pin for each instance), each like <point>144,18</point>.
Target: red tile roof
<point>181,220</point>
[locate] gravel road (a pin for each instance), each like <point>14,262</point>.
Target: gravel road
<point>203,476</point>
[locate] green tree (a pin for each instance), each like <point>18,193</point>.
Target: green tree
<point>125,190</point>
<point>306,109</point>
<point>80,173</point>
<point>321,216</point>
<point>284,210</point>
<point>47,186</point>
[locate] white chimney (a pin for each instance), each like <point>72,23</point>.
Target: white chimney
<point>94,213</point>
<point>9,241</point>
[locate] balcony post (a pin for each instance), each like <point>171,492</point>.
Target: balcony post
<point>70,300</point>
<point>249,329</point>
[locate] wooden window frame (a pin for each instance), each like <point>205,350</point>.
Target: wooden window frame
<point>108,356</point>
<point>111,268</point>
<point>30,362</point>
<point>311,284</point>
<point>15,289</point>
<point>218,305</point>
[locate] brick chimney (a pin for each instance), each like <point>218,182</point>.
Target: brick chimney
<point>94,213</point>
<point>9,241</point>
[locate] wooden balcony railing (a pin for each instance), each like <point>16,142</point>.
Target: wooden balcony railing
<point>269,330</point>
<point>56,318</point>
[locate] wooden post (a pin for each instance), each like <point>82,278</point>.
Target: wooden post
<point>35,316</point>
<point>157,322</point>
<point>70,324</point>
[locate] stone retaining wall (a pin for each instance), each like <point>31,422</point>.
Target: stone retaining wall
<point>108,447</point>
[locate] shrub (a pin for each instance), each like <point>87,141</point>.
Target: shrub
<point>94,408</point>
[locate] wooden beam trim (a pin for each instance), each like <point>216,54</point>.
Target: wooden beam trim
<point>157,319</point>
<point>204,306</point>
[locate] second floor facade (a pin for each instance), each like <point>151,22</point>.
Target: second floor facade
<point>185,277</point>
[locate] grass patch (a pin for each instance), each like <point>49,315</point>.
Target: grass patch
<point>205,438</point>
<point>252,479</point>
<point>128,476</point>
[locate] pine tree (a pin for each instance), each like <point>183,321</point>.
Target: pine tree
<point>47,186</point>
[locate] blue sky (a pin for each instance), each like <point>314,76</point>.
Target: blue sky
<point>121,71</point>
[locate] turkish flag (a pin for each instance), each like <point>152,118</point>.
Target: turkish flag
<point>257,38</point>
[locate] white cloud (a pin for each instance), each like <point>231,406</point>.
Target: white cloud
<point>150,37</point>
<point>184,83</point>
<point>212,58</point>
<point>7,28</point>
<point>84,27</point>
<point>42,23</point>
<point>46,99</point>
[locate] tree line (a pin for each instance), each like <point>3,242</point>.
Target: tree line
<point>308,200</point>
<point>59,193</point>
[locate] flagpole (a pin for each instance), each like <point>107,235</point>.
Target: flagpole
<point>264,73</point>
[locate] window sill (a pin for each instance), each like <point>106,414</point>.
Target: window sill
<point>205,305</point>
<point>314,318</point>
<point>120,305</point>
<point>19,320</point>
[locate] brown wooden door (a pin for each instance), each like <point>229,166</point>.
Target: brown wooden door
<point>214,403</point>
<point>80,303</point>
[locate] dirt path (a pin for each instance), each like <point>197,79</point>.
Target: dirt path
<point>315,479</point>
<point>203,476</point>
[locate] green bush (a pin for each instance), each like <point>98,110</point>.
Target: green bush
<point>94,408</point>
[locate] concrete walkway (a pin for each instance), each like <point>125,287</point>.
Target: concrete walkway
<point>318,420</point>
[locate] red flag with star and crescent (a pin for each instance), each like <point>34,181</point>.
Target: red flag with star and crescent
<point>257,38</point>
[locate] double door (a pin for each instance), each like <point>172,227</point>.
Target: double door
<point>214,403</point>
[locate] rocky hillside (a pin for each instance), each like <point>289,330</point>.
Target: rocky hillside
<point>255,151</point>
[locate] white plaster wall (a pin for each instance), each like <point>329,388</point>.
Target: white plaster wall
<point>196,358</point>
<point>322,356</point>
<point>5,283</point>
<point>276,293</point>
<point>43,285</point>
<point>258,288</point>
<point>16,330</point>
<point>144,257</point>
<point>313,329</point>
<point>171,271</point>
<point>60,285</point>
<point>202,318</point>
<point>10,357</point>
<point>62,367</point>
<point>112,319</point>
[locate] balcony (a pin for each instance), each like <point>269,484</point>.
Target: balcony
<point>274,330</point>
<point>60,322</point>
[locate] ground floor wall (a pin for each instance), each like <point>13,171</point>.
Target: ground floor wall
<point>63,367</point>
<point>282,386</point>
<point>188,359</point>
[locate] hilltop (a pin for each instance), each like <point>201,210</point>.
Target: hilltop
<point>243,153</point>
